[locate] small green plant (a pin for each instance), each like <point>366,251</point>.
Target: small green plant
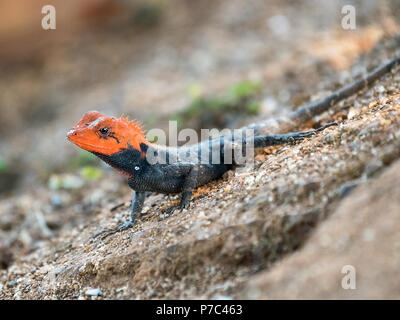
<point>3,165</point>
<point>244,89</point>
<point>148,13</point>
<point>218,111</point>
<point>84,158</point>
<point>91,173</point>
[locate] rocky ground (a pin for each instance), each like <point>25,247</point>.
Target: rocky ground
<point>282,227</point>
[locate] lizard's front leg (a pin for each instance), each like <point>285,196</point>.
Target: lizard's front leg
<point>136,207</point>
<point>187,190</point>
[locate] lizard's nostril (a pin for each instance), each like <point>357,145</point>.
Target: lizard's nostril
<point>71,133</point>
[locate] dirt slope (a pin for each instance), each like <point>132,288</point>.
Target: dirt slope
<point>281,228</point>
<point>260,214</point>
<point>362,232</point>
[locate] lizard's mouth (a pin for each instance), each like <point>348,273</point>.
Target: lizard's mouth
<point>77,138</point>
<point>73,136</point>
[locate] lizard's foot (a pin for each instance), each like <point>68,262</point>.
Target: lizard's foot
<point>298,136</point>
<point>107,232</point>
<point>172,209</point>
<point>329,124</point>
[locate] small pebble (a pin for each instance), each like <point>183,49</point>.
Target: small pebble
<point>94,292</point>
<point>329,138</point>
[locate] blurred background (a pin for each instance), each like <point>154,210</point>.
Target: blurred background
<point>153,59</point>
<point>208,63</point>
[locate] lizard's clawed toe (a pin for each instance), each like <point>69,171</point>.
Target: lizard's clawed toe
<point>179,207</point>
<point>171,210</point>
<point>107,232</point>
<point>184,206</point>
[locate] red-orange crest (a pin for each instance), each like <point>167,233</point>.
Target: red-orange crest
<point>96,132</point>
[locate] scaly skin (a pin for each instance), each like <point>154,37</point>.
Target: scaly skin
<point>122,144</point>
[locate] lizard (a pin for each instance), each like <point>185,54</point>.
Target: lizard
<point>123,145</point>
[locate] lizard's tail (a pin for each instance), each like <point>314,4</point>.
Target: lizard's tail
<point>278,139</point>
<point>307,112</point>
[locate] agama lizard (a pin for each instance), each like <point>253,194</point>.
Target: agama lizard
<point>122,144</point>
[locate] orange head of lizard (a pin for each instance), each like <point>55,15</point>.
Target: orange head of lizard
<point>100,134</point>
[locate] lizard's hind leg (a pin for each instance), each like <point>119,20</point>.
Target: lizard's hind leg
<point>187,190</point>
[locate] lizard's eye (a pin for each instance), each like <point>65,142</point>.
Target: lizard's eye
<point>104,130</point>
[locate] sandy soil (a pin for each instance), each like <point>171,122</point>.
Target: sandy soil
<point>282,227</point>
